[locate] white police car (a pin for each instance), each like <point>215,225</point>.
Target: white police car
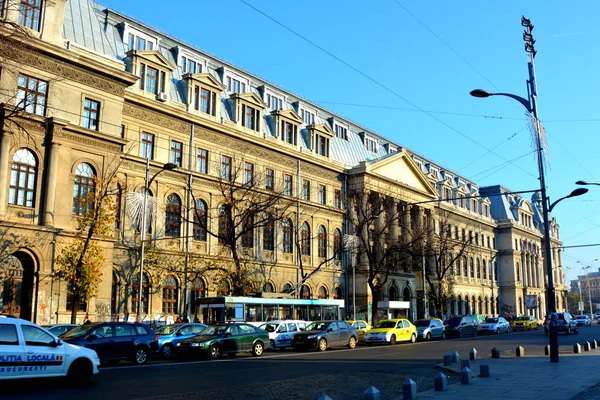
<point>29,351</point>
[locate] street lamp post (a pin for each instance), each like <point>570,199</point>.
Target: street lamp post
<point>147,182</point>
<point>530,105</point>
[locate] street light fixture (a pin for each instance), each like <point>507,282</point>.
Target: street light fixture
<point>574,193</point>
<point>147,182</point>
<point>530,105</point>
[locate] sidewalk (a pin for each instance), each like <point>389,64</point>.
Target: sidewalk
<point>574,376</point>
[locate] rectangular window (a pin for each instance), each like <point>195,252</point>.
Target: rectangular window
<point>30,14</point>
<point>147,146</point>
<point>190,66</point>
<point>32,94</point>
<point>308,117</point>
<point>337,198</point>
<point>196,98</point>
<point>123,131</point>
<point>248,173</point>
<point>289,132</point>
<point>305,189</point>
<point>322,194</point>
<point>341,132</point>
<point>208,102</point>
<point>322,146</point>
<point>250,117</point>
<point>288,185</point>
<point>269,179</point>
<point>136,42</point>
<point>274,102</point>
<point>235,86</point>
<point>371,144</point>
<point>151,84</point>
<point>176,151</point>
<point>202,161</point>
<point>91,114</point>
<point>226,168</point>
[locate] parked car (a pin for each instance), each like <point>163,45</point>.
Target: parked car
<point>494,326</point>
<point>281,332</point>
<point>362,327</point>
<point>29,351</point>
<point>218,339</point>
<point>564,322</point>
<point>170,335</point>
<point>59,329</point>
<point>391,331</point>
<point>428,329</point>
<point>114,341</point>
<point>460,326</point>
<point>524,323</point>
<point>322,335</point>
<point>583,320</point>
<point>597,316</point>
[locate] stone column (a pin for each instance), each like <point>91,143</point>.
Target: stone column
<point>56,126</point>
<point>431,268</point>
<point>392,221</point>
<point>5,168</point>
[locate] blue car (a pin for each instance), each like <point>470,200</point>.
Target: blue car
<point>170,335</point>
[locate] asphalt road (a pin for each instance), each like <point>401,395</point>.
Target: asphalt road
<point>161,378</point>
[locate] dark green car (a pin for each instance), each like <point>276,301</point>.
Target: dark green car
<point>219,339</point>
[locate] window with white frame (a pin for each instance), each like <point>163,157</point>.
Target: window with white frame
<point>371,144</point>
<point>308,117</point>
<point>190,65</point>
<point>322,145</point>
<point>139,41</point>
<point>235,85</point>
<point>274,102</point>
<point>152,80</point>
<point>341,131</point>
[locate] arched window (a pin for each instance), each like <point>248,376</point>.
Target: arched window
<point>248,232</point>
<point>135,293</point>
<point>287,227</point>
<point>305,292</point>
<point>173,216</point>
<point>478,269</point>
<point>337,244</point>
<point>459,304</point>
<point>200,221</point>
<point>322,242</point>
<point>115,292</point>
<point>23,178</point>
<point>305,239</point>
<point>484,267</point>
<point>339,294</point>
<point>487,305</point>
<point>518,272</point>
<point>269,233</point>
<point>223,228</point>
<point>406,294</point>
<point>268,288</point>
<point>473,305</point>
<point>287,288</point>
<point>83,189</point>
<point>224,288</point>
<point>323,294</point>
<point>197,290</point>
<point>465,267</point>
<point>472,267</point>
<point>393,293</point>
<point>170,295</point>
<point>479,305</point>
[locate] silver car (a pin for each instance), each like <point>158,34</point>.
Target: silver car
<point>428,329</point>
<point>494,325</point>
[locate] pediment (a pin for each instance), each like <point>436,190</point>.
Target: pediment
<point>401,168</point>
<point>206,79</point>
<point>289,114</point>
<point>153,56</point>
<point>321,129</point>
<point>250,98</point>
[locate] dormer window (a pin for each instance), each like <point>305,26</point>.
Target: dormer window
<point>250,117</point>
<point>205,100</point>
<point>308,117</point>
<point>153,69</point>
<point>371,144</point>
<point>235,85</point>
<point>274,102</point>
<point>189,65</point>
<point>152,79</point>
<point>249,108</point>
<point>30,13</point>
<point>289,133</point>
<point>137,40</point>
<point>287,122</point>
<point>341,131</point>
<point>320,135</point>
<point>203,91</point>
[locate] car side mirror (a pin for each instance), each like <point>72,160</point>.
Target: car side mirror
<point>57,343</point>
<point>92,337</point>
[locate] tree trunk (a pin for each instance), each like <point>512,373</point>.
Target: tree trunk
<point>376,294</point>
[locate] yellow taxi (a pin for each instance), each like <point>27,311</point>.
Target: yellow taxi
<point>525,323</point>
<point>361,326</point>
<point>392,331</point>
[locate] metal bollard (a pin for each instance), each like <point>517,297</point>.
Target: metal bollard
<point>495,353</point>
<point>440,382</point>
<point>473,354</point>
<point>576,348</point>
<point>587,346</point>
<point>520,351</point>
<point>594,344</point>
<point>465,363</point>
<point>372,394</point>
<point>547,350</point>
<point>409,389</point>
<point>484,371</point>
<point>455,357</point>
<point>447,359</point>
<point>465,376</point>
<point>324,397</point>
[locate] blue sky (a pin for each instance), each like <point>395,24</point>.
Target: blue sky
<point>430,54</point>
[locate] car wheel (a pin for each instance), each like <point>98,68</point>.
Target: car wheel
<point>428,336</point>
<point>214,353</point>
<point>257,349</point>
<point>393,340</point>
<point>272,343</point>
<point>352,342</point>
<point>413,338</point>
<point>141,356</point>
<point>80,372</point>
<point>166,351</point>
<point>322,345</point>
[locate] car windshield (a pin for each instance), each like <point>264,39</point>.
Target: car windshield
<point>78,332</point>
<point>215,330</point>
<point>422,323</point>
<point>491,320</point>
<point>166,329</point>
<point>268,327</point>
<point>317,326</point>
<point>522,318</point>
<point>453,321</point>
<point>386,324</point>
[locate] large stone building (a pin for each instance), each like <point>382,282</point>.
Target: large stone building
<point>85,88</point>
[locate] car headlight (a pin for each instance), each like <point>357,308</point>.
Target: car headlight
<point>178,344</point>
<point>194,344</point>
<point>312,336</point>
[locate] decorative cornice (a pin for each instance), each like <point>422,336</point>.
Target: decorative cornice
<point>156,118</point>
